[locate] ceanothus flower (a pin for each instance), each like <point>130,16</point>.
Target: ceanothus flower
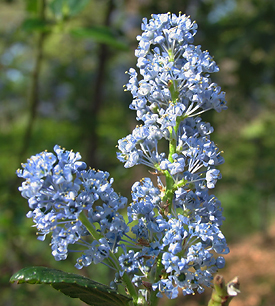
<point>172,240</point>
<point>170,89</point>
<point>172,69</point>
<point>59,189</point>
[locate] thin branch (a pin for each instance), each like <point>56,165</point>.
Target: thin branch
<point>97,102</point>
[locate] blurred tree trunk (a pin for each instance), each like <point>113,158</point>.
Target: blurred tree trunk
<point>34,95</point>
<point>98,97</point>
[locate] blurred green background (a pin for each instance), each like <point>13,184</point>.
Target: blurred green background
<point>62,71</point>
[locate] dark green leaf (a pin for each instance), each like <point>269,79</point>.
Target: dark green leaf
<point>32,6</point>
<point>35,24</point>
<point>101,35</point>
<point>73,285</point>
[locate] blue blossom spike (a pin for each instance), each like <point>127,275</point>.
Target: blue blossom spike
<point>172,241</point>
<point>171,88</point>
<point>173,70</point>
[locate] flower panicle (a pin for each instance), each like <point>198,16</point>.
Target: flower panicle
<point>59,189</point>
<point>180,219</point>
<point>172,239</point>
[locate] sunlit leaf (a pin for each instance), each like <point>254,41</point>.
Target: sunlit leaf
<point>73,285</point>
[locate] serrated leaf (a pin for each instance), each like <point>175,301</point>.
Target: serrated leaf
<point>101,35</point>
<point>73,285</point>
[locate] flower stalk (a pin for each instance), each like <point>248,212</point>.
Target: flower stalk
<point>222,293</point>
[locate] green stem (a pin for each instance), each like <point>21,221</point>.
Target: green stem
<point>131,288</point>
<point>91,229</point>
<point>170,186</point>
<point>153,298</point>
<point>179,184</point>
<point>169,193</point>
<point>172,144</point>
<point>222,294</point>
<point>96,235</point>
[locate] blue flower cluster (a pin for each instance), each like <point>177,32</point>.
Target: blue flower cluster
<point>59,188</point>
<point>176,224</point>
<point>172,237</point>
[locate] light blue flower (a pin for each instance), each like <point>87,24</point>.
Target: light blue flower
<point>59,189</point>
<point>173,226</point>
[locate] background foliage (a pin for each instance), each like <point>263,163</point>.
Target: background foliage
<point>62,65</point>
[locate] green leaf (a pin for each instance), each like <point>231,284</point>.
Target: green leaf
<point>32,6</point>
<point>66,8</point>
<point>56,6</point>
<point>73,285</point>
<point>100,34</point>
<point>35,24</point>
<point>76,6</point>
